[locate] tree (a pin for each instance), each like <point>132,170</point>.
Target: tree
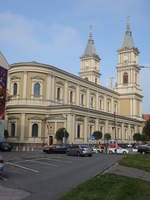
<point>107,136</point>
<point>146,129</point>
<point>97,135</point>
<point>137,137</point>
<point>61,133</point>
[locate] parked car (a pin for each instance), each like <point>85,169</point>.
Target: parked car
<point>96,149</point>
<point>4,146</point>
<point>1,163</point>
<point>144,148</point>
<point>118,150</point>
<point>58,148</point>
<point>79,150</point>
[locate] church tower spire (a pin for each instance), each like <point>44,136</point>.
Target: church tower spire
<point>128,40</point>
<point>90,60</point>
<point>128,77</point>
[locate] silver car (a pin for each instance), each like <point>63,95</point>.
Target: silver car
<point>1,163</point>
<point>79,150</point>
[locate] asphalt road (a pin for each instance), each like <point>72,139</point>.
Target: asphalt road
<point>48,177</point>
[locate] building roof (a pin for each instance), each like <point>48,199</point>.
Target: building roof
<point>90,50</point>
<point>3,61</point>
<point>128,39</point>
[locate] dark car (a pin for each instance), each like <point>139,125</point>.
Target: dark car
<point>4,146</point>
<point>79,150</point>
<point>60,148</point>
<point>144,148</point>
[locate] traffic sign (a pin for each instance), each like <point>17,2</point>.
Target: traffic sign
<point>92,138</point>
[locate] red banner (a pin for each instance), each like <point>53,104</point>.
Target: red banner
<point>3,87</point>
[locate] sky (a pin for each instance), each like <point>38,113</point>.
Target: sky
<point>56,32</point>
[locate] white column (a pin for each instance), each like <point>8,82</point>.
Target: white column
<point>97,125</point>
<point>69,127</point>
<point>122,131</point>
<point>105,103</point>
<point>48,88</point>
<point>112,105</point>
<point>53,88</point>
<point>97,101</point>
<point>78,95</point>
<point>25,86</point>
<point>22,127</point>
<point>86,130</point>
<point>88,98</point>
<point>66,93</point>
<point>106,126</point>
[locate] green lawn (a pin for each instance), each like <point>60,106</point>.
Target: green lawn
<point>139,161</point>
<point>110,187</point>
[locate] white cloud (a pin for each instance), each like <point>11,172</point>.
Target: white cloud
<point>34,37</point>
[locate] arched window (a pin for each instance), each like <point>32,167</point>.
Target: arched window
<point>125,78</point>
<point>35,130</point>
<point>71,96</point>
<point>15,87</point>
<point>13,128</point>
<point>36,89</point>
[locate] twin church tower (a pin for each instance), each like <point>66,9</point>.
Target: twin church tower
<point>127,73</point>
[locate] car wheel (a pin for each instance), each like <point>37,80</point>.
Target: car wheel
<point>124,152</point>
<point>110,152</point>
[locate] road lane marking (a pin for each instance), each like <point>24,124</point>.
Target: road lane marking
<point>54,159</point>
<point>37,161</point>
<point>22,167</point>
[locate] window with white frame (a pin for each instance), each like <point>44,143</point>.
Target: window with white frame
<point>58,93</point>
<point>13,130</point>
<point>78,130</point>
<point>108,105</point>
<point>36,89</point>
<point>35,130</point>
<point>92,102</point>
<point>71,97</point>
<point>115,107</point>
<point>15,89</point>
<point>15,86</point>
<point>82,99</point>
<point>101,103</point>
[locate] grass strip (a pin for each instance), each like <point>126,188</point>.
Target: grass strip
<point>110,187</point>
<point>138,161</point>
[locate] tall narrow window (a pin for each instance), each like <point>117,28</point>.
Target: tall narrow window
<point>82,99</point>
<point>15,88</point>
<point>125,78</point>
<point>78,131</point>
<point>58,94</point>
<point>108,106</point>
<point>13,129</point>
<point>36,89</point>
<point>71,96</point>
<point>35,130</point>
<point>92,102</point>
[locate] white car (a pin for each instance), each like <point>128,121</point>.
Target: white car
<point>118,150</point>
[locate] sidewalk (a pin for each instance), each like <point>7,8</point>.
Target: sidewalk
<point>129,172</point>
<point>12,194</point>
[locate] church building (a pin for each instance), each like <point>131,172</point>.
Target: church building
<point>44,98</point>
